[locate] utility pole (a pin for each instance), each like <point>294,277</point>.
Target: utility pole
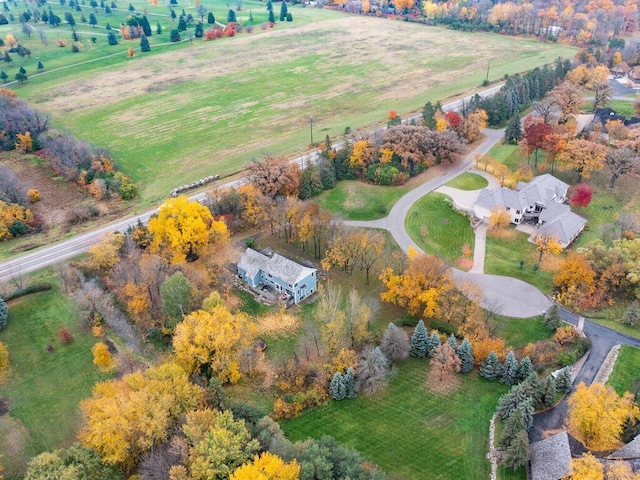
<point>488,66</point>
<point>311,127</point>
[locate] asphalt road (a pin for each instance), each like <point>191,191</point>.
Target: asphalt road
<point>69,248</point>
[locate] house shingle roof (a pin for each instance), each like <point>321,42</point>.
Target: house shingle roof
<point>551,458</point>
<point>499,198</point>
<point>281,267</point>
<point>565,227</point>
<point>630,450</point>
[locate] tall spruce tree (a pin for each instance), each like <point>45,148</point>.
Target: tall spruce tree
<point>548,391</point>
<point>533,386</point>
<point>231,16</point>
<point>490,368</point>
<point>632,315</point>
<point>111,38</point>
<point>283,11</point>
<point>466,356</point>
<point>563,380</point>
<point>513,425</point>
<point>272,18</point>
<point>524,369</point>
<point>419,341</point>
<point>517,453</point>
<point>349,380</point>
<point>4,313</point>
<point>513,132</point>
<point>509,371</point>
<point>144,43</point>
<point>453,341</point>
<point>433,342</point>
<point>146,27</point>
<point>211,19</point>
<point>552,318</point>
<point>337,388</point>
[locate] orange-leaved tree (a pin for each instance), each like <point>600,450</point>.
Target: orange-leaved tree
<point>182,229</point>
<point>421,288</point>
<point>575,280</point>
<point>597,415</point>
<point>583,156</point>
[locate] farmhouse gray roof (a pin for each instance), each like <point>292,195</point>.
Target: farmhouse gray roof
<point>551,458</point>
<point>630,450</point>
<point>278,266</point>
<point>500,197</point>
<point>543,189</point>
<point>565,227</point>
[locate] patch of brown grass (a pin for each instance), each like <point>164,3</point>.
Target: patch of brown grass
<point>13,438</point>
<point>278,323</point>
<point>502,233</point>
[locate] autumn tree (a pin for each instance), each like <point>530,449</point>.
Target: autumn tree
<point>4,360</point>
<point>443,366</point>
<point>581,195</point>
<point>212,342</point>
<point>373,369</point>
<point>583,156</point>
<point>358,317</point>
<point>267,466</point>
<point>620,470</point>
<point>586,467</point>
<point>568,96</point>
<point>182,229</point>
<point>472,125</point>
<point>575,280</point>
<point>500,218</point>
<point>621,161</point>
<point>597,415</point>
<point>105,255</point>
<point>125,418</point>
<point>75,463</point>
<point>274,177</point>
<point>535,134</point>
<point>421,288</point>
<point>395,343</point>
<point>546,244</point>
<point>102,357</point>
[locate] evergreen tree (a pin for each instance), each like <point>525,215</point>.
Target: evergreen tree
<point>453,341</point>
<point>337,388</point>
<point>632,315</point>
<point>427,115</point>
<point>182,24</point>
<point>516,398</point>
<point>327,175</point>
<point>21,77</point>
<point>433,342</point>
<point>231,16</point>
<point>524,369</point>
<point>3,76</point>
<point>310,182</point>
<point>419,341</point>
<point>509,371</point>
<point>350,384</point>
<point>174,35</point>
<point>173,14</point>
<point>158,28</point>
<point>144,43</point>
<point>107,10</point>
<point>4,313</point>
<point>490,368</point>
<point>526,409</point>
<point>107,27</point>
<point>211,19</point>
<point>289,17</point>
<point>269,6</point>
<point>563,380</point>
<point>250,16</point>
<point>93,20</point>
<point>111,38</point>
<point>272,18</point>
<point>517,453</point>
<point>146,27</point>
<point>283,11</point>
<point>552,318</point>
<point>513,132</point>
<point>199,31</point>
<point>466,356</point>
<point>548,391</point>
<point>513,425</point>
<point>533,386</point>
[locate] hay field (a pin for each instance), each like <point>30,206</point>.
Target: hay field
<point>179,115</point>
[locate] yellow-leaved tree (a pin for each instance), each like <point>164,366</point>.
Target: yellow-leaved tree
<point>547,244</point>
<point>105,255</point>
<point>597,415</point>
<point>102,357</point>
<point>215,340</point>
<point>125,418</point>
<point>586,467</point>
<point>182,229</point>
<point>267,467</point>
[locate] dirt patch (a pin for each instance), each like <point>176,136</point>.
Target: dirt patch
<point>14,438</point>
<point>4,406</point>
<point>280,323</point>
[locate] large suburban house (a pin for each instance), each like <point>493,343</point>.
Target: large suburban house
<point>284,277</point>
<point>620,70</point>
<point>539,202</point>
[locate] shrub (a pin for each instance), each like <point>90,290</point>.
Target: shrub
<point>65,335</point>
<point>102,357</point>
<point>4,357</point>
<point>33,195</point>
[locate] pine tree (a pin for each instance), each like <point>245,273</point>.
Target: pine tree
<point>632,315</point>
<point>552,318</point>
<point>509,402</point>
<point>513,425</point>
<point>182,24</point>
<point>231,16</point>
<point>4,313</point>
<point>419,341</point>
<point>144,44</point>
<point>563,380</point>
<point>533,386</point>
<point>174,36</point>
<point>289,17</point>
<point>428,113</point>
<point>453,341</point>
<point>111,38</point>
<point>272,18</point>
<point>199,30</point>
<point>513,132</point>
<point>517,453</point>
<point>350,384</point>
<point>146,27</point>
<point>3,76</point>
<point>433,342</point>
<point>269,6</point>
<point>337,388</point>
<point>509,370</point>
<point>158,28</point>
<point>211,19</point>
<point>548,391</point>
<point>490,368</point>
<point>250,16</point>
<point>283,11</point>
<point>466,356</point>
<point>524,369</point>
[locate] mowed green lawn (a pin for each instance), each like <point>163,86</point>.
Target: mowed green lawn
<point>356,200</point>
<point>439,229</point>
<point>45,387</point>
<point>182,113</point>
<point>518,332</point>
<point>410,432</point>
<point>626,369</point>
<point>468,181</point>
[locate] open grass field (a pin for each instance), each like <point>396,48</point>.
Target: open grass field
<point>438,228</point>
<point>626,369</point>
<point>518,332</point>
<point>623,107</point>
<point>206,108</point>
<point>356,200</point>
<point>45,387</point>
<point>410,432</point>
<point>468,181</point>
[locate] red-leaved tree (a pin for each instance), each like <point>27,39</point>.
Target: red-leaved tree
<point>581,195</point>
<point>453,119</point>
<point>535,135</point>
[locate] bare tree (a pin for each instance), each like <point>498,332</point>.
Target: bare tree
<point>444,365</point>
<point>373,369</point>
<point>395,343</point>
